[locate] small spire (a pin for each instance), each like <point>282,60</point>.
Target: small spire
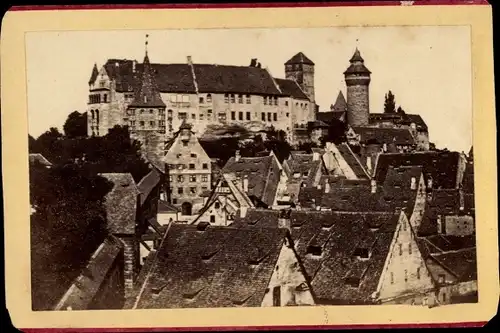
<point>356,56</point>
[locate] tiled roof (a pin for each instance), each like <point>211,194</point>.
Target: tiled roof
<point>303,164</point>
<point>211,268</point>
<point>340,103</point>
<point>438,244</point>
<point>203,78</point>
<point>399,119</point>
<point>94,75</point>
<point>261,218</point>
<point>148,183</point>
<point>88,284</point>
<point>309,197</point>
<point>352,160</point>
<point>299,58</point>
<point>328,116</point>
<point>442,167</point>
<point>121,203</point>
<point>147,93</point>
<point>291,88</point>
<point>380,135</point>
<point>357,65</point>
<point>461,263</point>
<point>166,207</point>
<point>39,158</point>
<point>263,175</point>
<point>338,235</point>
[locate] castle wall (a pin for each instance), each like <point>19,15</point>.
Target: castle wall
<point>358,108</point>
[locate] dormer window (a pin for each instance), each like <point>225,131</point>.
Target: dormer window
<point>352,281</point>
<point>362,253</point>
<point>314,250</point>
<point>296,175</point>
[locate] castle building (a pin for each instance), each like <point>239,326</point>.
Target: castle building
<point>159,97</point>
<point>357,78</point>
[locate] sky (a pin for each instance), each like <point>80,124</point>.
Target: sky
<point>428,68</point>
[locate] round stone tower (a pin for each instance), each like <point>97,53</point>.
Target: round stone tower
<point>357,78</point>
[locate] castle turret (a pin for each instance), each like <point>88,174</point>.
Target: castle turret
<point>301,69</point>
<point>357,78</point>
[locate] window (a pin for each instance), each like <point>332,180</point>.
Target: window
<point>277,296</point>
<point>205,166</point>
<point>141,123</point>
<point>240,115</point>
<point>275,116</point>
<point>287,114</point>
<point>191,166</point>
<point>184,143</point>
<point>409,248</point>
<point>212,218</point>
<point>226,98</point>
<point>240,99</point>
<point>193,155</point>
<point>263,116</point>
<point>275,100</point>
<point>233,115</point>
<point>286,103</point>
<point>248,99</point>
<point>150,111</point>
<point>400,249</point>
<point>441,278</point>
<point>201,116</point>
<point>192,190</point>
<point>182,115</point>
<point>233,100</point>
<point>192,179</point>
<point>152,124</point>
<point>406,275</point>
<point>418,273</point>
<point>141,111</point>
<point>248,115</point>
<point>204,178</point>
<point>105,98</point>
<point>201,100</point>
<point>170,178</point>
<point>444,297</point>
<point>204,188</point>
<point>170,113</point>
<point>269,116</point>
<point>193,116</point>
<point>174,201</point>
<point>392,278</point>
<point>217,205</point>
<point>180,190</point>
<point>209,98</point>
<point>222,116</point>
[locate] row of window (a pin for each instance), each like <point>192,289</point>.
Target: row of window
<point>152,124</point>
<point>95,116</point>
<point>232,98</point>
<point>96,98</point>
<point>161,112</point>
<point>192,178</point>
<point>189,190</point>
<point>191,166</point>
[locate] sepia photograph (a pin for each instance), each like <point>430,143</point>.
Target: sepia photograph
<point>200,163</point>
<point>181,175</point>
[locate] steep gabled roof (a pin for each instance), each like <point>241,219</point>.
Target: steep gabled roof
<point>337,235</point>
<point>441,166</point>
<point>387,135</point>
<point>352,160</point>
<point>263,175</point>
<point>214,267</point>
<point>340,103</point>
<point>257,217</point>
<point>95,73</point>
<point>147,93</point>
<point>121,203</point>
<point>148,183</point>
<point>299,58</point>
<point>291,88</point>
<point>38,158</point>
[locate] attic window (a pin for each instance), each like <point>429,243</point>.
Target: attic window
<point>362,253</point>
<point>314,250</point>
<point>352,281</point>
<point>202,226</point>
<point>296,174</point>
<point>217,205</point>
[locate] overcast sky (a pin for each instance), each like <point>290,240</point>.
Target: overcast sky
<point>427,68</point>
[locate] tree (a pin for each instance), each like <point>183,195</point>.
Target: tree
<point>390,103</point>
<point>336,132</point>
<point>49,144</point>
<point>76,125</point>
<point>32,146</point>
<point>400,110</point>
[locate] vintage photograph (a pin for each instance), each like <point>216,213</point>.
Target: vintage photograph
<point>215,168</point>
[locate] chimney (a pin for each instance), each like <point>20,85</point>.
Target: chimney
<point>439,225</point>
<point>429,183</point>
<point>369,163</point>
<point>384,147</point>
<point>327,186</point>
<point>253,62</point>
<point>189,60</point>
<point>373,184</point>
<point>315,156</point>
<point>237,156</point>
<point>243,211</point>
<point>245,183</point>
<point>413,183</point>
<point>259,65</point>
<point>133,66</point>
<point>462,201</point>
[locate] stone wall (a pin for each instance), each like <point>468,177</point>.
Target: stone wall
<point>358,108</point>
<point>459,225</point>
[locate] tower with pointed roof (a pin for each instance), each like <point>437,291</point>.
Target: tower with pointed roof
<point>301,69</point>
<point>357,78</point>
